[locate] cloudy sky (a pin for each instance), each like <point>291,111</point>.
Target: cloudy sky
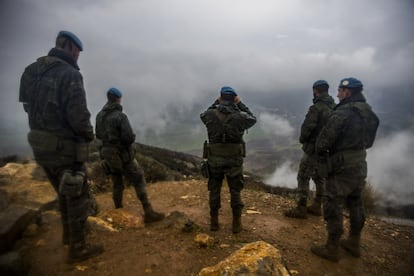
<point>171,54</point>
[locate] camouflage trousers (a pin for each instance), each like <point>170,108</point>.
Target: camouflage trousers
<point>74,210</point>
<point>307,170</point>
<point>235,181</point>
<point>343,189</point>
<point>135,175</point>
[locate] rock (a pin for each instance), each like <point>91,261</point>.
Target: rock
<point>122,218</point>
<point>179,221</point>
<point>21,188</point>
<point>31,230</point>
<point>100,224</point>
<point>11,264</point>
<point>257,258</point>
<point>204,240</point>
<point>13,221</point>
<point>23,198</point>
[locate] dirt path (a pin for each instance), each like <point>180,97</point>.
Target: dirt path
<point>161,250</point>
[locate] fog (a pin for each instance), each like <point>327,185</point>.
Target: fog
<point>275,125</point>
<point>390,167</point>
<point>390,172</point>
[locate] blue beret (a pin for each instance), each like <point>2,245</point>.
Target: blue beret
<point>114,91</point>
<point>72,37</point>
<point>350,83</point>
<point>228,90</point>
<point>319,83</point>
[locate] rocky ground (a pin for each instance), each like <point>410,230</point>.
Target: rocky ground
<point>163,249</point>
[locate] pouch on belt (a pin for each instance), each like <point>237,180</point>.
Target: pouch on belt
<point>71,183</point>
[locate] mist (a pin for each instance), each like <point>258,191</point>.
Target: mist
<point>275,125</point>
<point>390,172</point>
<point>283,176</point>
<point>390,167</point>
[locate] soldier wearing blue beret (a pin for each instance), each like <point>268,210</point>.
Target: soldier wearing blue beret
<point>53,95</point>
<point>315,119</point>
<point>118,154</point>
<point>226,121</point>
<point>349,132</point>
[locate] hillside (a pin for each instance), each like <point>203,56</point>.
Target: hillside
<point>175,188</point>
<point>163,249</point>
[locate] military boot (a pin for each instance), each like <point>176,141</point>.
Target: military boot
<point>236,225</point>
<point>315,208</point>
<point>328,251</point>
<point>214,224</point>
<point>118,205</point>
<point>82,251</point>
<point>352,245</point>
<point>299,211</point>
<point>152,216</point>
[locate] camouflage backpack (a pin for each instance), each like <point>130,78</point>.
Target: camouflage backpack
<point>370,123</point>
<point>229,131</point>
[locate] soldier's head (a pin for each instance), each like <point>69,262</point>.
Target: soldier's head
<point>69,43</point>
<point>320,87</point>
<point>227,94</point>
<point>114,95</point>
<point>348,87</point>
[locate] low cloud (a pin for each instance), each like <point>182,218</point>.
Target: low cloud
<point>390,163</point>
<point>283,176</point>
<point>275,125</point>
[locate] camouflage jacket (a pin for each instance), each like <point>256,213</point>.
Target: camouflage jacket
<point>315,119</point>
<point>351,127</point>
<point>237,119</point>
<point>52,93</point>
<point>112,126</point>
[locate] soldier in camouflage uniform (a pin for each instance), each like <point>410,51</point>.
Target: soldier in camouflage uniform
<point>226,120</point>
<point>349,132</point>
<point>53,96</point>
<point>316,118</point>
<point>118,155</point>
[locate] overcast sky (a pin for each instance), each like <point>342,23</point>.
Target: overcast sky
<point>168,55</point>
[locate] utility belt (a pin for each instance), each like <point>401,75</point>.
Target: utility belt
<point>108,151</point>
<point>224,150</point>
<point>44,143</point>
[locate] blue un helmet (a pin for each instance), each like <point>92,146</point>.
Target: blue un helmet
<point>72,37</point>
<point>350,83</point>
<point>320,83</point>
<point>114,91</point>
<point>227,90</point>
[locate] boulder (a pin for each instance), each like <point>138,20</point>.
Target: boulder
<point>179,221</point>
<point>12,264</point>
<point>257,258</point>
<point>122,218</point>
<point>23,198</point>
<point>203,240</point>
<point>13,222</point>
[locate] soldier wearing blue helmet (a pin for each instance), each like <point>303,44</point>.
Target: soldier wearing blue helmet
<point>226,120</point>
<point>118,154</point>
<point>53,95</point>
<point>350,130</point>
<point>315,119</point>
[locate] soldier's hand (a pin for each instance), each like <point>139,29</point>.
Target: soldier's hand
<point>237,99</point>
